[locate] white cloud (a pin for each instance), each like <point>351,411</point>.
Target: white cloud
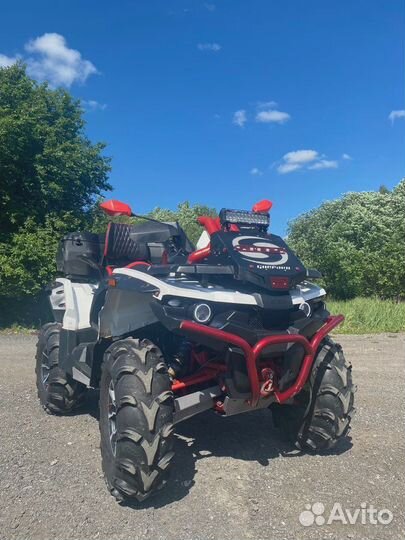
<point>301,157</point>
<point>239,118</point>
<point>213,47</point>
<point>210,7</point>
<point>324,164</point>
<point>272,116</point>
<point>285,168</point>
<point>93,105</point>
<point>267,104</point>
<point>266,113</point>
<point>52,60</point>
<point>256,172</point>
<point>306,159</point>
<point>7,61</point>
<point>347,156</point>
<point>394,115</point>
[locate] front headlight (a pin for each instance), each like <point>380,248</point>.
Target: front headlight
<point>202,313</point>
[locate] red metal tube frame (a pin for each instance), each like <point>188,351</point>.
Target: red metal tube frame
<point>253,353</point>
<point>205,374</point>
<point>199,255</point>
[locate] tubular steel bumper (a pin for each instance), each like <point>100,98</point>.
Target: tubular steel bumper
<point>252,354</point>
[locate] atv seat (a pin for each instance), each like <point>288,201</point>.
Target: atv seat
<point>120,249</point>
<point>144,243</point>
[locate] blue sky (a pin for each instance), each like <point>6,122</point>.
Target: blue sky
<point>226,102</point>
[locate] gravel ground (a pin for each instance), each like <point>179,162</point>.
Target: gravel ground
<point>233,478</point>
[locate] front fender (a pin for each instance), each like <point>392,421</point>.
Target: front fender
<point>127,309</point>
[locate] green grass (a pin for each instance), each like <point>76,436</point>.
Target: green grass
<point>18,329</point>
<point>369,315</point>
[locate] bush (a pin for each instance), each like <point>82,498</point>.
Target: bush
<point>50,177</point>
<point>357,242</point>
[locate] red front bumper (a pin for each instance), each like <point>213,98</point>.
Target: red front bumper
<point>252,354</point>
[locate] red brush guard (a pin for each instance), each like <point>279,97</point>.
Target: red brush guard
<point>252,354</point>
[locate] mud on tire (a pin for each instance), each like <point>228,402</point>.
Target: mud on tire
<point>57,391</point>
<point>324,407</point>
<point>136,419</point>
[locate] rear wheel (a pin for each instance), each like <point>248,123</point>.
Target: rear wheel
<point>324,408</point>
<point>58,392</point>
<point>136,419</point>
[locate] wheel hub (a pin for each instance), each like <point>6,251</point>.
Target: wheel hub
<point>112,417</point>
<point>45,370</point>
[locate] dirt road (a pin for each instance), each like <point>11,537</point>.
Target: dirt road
<point>233,478</point>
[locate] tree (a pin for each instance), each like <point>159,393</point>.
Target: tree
<point>383,189</point>
<point>358,242</point>
<point>186,215</point>
<point>47,164</point>
<point>27,260</point>
<point>50,177</point>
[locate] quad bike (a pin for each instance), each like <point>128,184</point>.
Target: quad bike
<point>166,331</point>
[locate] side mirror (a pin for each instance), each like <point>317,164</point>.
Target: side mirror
<point>312,273</point>
<point>262,206</point>
<point>116,208</point>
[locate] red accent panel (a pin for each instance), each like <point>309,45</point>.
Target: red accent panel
<point>259,249</point>
<point>116,208</point>
<point>109,270</point>
<point>211,225</point>
<point>280,282</point>
<point>262,206</point>
<point>252,354</point>
<point>137,263</point>
<point>200,254</point>
<point>165,257</point>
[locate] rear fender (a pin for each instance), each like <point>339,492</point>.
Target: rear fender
<point>71,303</point>
<point>57,300</point>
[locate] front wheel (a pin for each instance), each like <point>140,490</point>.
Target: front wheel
<point>136,419</point>
<point>323,410</point>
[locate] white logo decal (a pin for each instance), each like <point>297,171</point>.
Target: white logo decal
<point>365,514</point>
<point>260,250</point>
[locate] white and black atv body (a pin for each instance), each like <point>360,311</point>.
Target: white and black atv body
<point>166,332</point>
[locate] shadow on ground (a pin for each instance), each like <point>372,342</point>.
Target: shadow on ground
<point>247,437</point>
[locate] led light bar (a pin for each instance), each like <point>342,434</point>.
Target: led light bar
<point>244,217</point>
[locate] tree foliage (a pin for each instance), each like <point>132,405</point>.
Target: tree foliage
<point>27,260</point>
<point>357,241</point>
<point>50,176</point>
<point>47,164</point>
<point>186,215</point>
